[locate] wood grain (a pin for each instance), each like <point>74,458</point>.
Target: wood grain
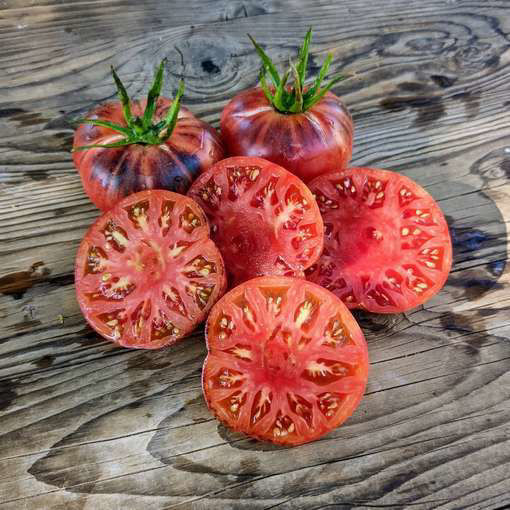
<point>89,426</point>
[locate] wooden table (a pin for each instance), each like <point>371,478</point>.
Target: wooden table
<point>85,425</point>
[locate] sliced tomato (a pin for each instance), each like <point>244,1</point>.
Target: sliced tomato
<point>263,219</point>
<point>147,272</point>
<point>287,362</point>
<point>387,247</point>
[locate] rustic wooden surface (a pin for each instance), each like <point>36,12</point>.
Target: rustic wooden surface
<point>84,425</point>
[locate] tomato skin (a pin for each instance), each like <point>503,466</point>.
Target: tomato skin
<point>264,351</point>
<point>307,144</point>
<point>159,259</point>
<point>245,199</point>
<point>387,247</point>
<point>108,175</point>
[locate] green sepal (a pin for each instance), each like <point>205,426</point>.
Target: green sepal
<point>153,95</point>
<point>297,106</point>
<point>279,93</point>
<point>303,57</point>
<point>124,98</point>
<point>106,124</point>
<point>322,92</point>
<point>267,62</point>
<point>264,87</point>
<point>172,114</point>
<point>318,81</point>
<point>115,145</point>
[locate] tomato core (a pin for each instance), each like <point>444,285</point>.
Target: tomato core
<point>148,258</point>
<point>361,239</point>
<point>278,364</point>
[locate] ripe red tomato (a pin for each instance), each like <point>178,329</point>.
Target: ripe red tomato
<point>307,144</point>
<point>305,129</point>
<point>137,145</point>
<point>387,247</point>
<point>263,219</point>
<point>287,362</point>
<point>146,272</point>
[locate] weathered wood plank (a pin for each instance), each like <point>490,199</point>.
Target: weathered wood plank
<point>86,425</point>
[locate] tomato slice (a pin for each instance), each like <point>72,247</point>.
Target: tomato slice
<point>263,219</point>
<point>387,247</point>
<point>287,362</point>
<point>147,272</point>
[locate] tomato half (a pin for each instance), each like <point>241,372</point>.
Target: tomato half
<point>287,362</point>
<point>109,174</point>
<point>146,272</point>
<point>308,144</point>
<point>263,219</point>
<point>387,247</point>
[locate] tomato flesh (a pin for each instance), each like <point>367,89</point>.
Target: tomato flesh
<point>307,144</point>
<point>387,248</point>
<point>286,360</point>
<point>146,272</point>
<point>263,219</point>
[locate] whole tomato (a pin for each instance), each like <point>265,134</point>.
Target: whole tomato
<point>307,130</point>
<point>128,146</point>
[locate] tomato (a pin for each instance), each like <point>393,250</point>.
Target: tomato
<point>128,146</point>
<point>146,272</point>
<point>307,130</point>
<point>307,144</point>
<point>263,219</point>
<point>387,248</point>
<point>286,360</point>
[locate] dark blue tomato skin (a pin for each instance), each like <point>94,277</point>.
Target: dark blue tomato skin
<point>308,144</point>
<point>108,175</point>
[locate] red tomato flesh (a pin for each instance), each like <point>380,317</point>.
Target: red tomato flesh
<point>287,362</point>
<point>263,219</point>
<point>387,247</point>
<point>146,272</point>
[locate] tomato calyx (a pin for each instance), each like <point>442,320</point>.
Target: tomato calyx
<point>294,98</point>
<point>140,129</point>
